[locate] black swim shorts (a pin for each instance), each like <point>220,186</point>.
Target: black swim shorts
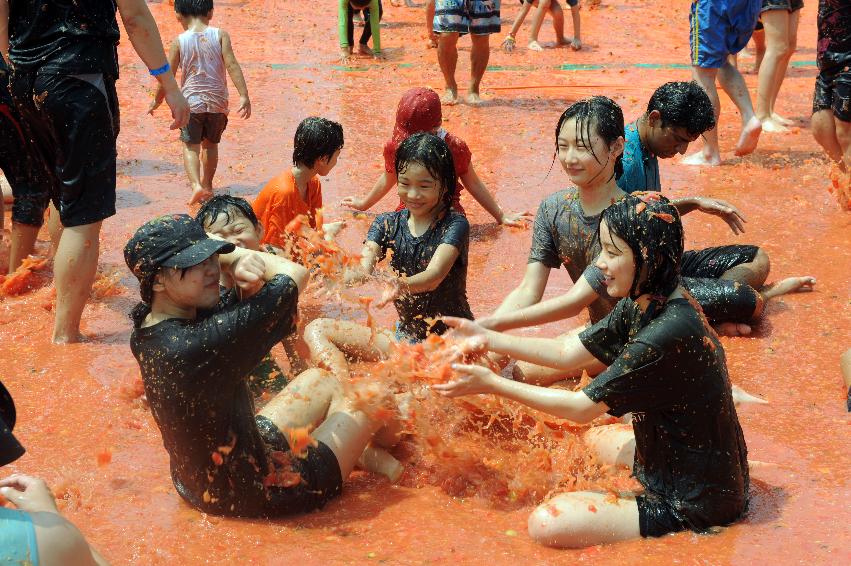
<point>833,92</point>
<point>73,121</point>
<point>319,470</point>
<point>713,262</point>
<point>204,126</point>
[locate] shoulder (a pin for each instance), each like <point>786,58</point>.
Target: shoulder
<point>459,149</point>
<point>557,200</point>
<point>456,220</point>
<point>678,322</point>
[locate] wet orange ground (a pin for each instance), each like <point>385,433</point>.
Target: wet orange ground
<point>77,402</point>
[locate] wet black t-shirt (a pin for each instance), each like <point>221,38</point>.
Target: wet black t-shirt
<point>411,255</point>
<point>672,375</point>
<point>196,379</point>
<point>64,37</point>
<point>834,34</point>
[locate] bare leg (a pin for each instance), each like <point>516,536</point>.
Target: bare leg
<point>209,163</point>
<point>759,48</point>
<point>733,83</point>
<point>297,364</point>
<point>558,23</point>
<point>23,244</point>
<point>845,366</point>
<point>192,165</point>
<point>773,69</point>
<point>316,397</point>
<point>711,152</point>
<point>537,22</point>
<point>74,270</point>
<point>447,57</point>
<point>753,273</point>
<point>824,132</point>
<point>580,519</point>
<point>479,55</point>
<point>432,36</point>
<point>843,136</point>
<point>54,228</point>
<point>331,340</point>
<point>794,20</point>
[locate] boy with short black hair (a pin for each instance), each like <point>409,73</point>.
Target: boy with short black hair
<point>677,114</point>
<point>203,54</point>
<point>298,191</point>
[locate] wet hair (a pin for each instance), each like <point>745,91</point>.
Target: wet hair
<point>604,115</point>
<point>432,153</point>
<point>316,138</point>
<point>651,226</point>
<point>193,7</point>
<point>228,205</point>
<point>683,105</point>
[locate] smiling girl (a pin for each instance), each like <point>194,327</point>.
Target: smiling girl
<point>428,241</point>
<point>665,365</point>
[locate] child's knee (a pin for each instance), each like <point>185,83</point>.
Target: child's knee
<point>317,330</point>
<point>761,265</point>
<point>558,523</point>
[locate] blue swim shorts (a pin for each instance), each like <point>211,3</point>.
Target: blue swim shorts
<point>720,28</point>
<point>477,17</point>
<point>17,538</point>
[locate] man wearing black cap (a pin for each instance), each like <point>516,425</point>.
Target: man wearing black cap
<point>196,350</point>
<point>33,533</point>
<point>65,64</point>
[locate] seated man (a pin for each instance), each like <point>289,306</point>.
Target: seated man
<point>196,350</point>
<point>34,533</point>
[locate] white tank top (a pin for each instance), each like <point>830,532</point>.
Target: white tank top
<point>203,70</point>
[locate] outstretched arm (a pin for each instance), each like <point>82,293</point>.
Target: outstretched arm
<point>145,37</point>
<point>529,292</point>
<point>480,192</point>
<point>235,73</point>
<point>382,186</point>
<point>572,405</point>
<point>558,308</point>
<point>567,354</point>
<point>432,276</point>
<point>370,255</point>
<point>717,207</point>
<point>509,42</point>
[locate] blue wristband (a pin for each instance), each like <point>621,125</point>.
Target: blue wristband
<point>156,72</point>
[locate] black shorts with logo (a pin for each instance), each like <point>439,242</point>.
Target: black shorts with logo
<point>73,122</point>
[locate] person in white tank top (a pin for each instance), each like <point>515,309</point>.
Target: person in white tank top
<point>203,54</point>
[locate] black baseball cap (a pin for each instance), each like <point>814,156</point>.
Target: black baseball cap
<point>10,448</point>
<point>173,240</point>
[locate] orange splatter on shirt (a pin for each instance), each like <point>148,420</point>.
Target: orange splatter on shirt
<point>280,202</point>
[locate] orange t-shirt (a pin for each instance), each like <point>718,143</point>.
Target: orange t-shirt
<point>279,203</point>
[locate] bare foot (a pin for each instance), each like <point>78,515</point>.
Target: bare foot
<point>575,44</point>
<point>450,97</point>
<point>788,285</point>
<point>781,120</point>
<point>733,329</point>
<point>365,50</point>
<point>432,42</point>
<point>740,397</point>
<point>535,46</point>
<point>701,158</point>
<point>772,126</point>
<point>473,98</point>
<point>73,338</point>
<point>200,195</point>
<point>749,137</point>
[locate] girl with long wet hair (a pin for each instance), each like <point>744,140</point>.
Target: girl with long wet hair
<point>427,241</point>
<point>663,363</point>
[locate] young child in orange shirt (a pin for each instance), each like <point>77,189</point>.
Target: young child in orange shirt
<point>297,190</point>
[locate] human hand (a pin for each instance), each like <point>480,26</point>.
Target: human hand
<point>28,493</point>
<point>331,229</point>
<point>726,211</point>
<point>244,110</point>
<point>472,380</point>
<point>248,273</point>
<point>508,44</point>
<point>155,103</point>
<point>179,108</point>
<point>475,338</point>
<point>353,202</point>
<point>392,289</point>
<point>517,219</point>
